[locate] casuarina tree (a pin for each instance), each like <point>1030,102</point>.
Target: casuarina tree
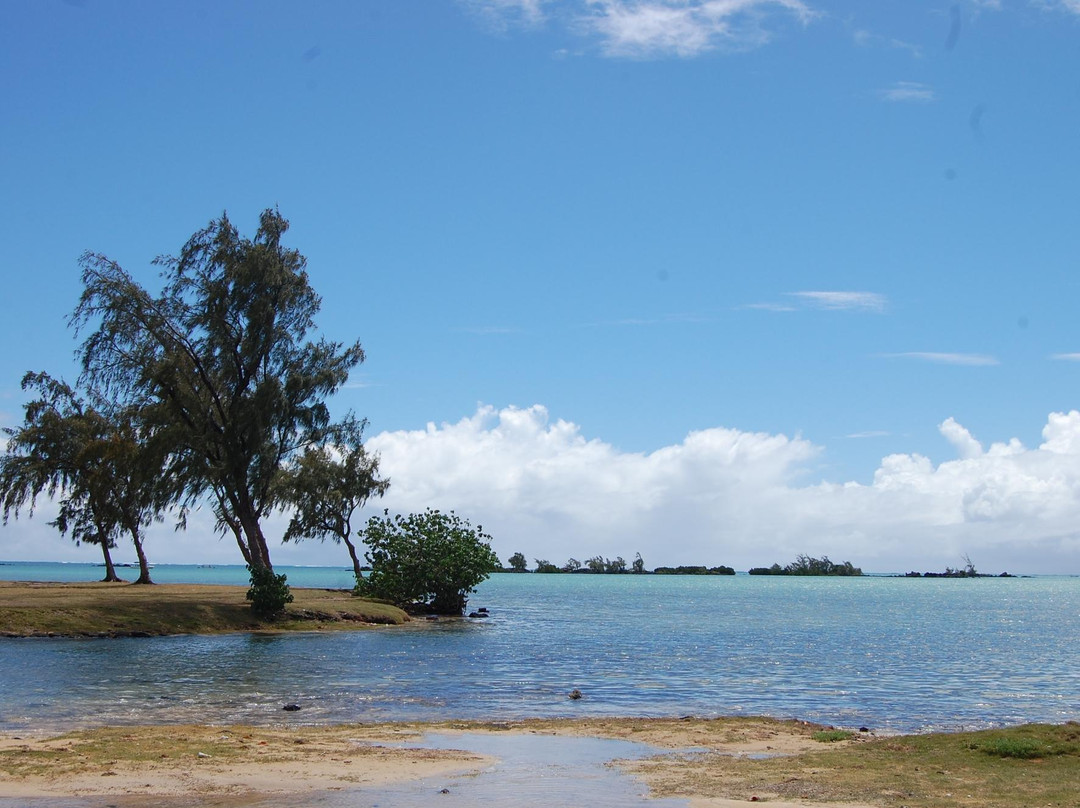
<point>103,465</point>
<point>223,358</point>
<point>328,483</point>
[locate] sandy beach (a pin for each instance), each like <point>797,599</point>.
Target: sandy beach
<point>696,762</point>
<point>247,763</point>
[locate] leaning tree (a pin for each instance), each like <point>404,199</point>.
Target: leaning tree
<point>222,356</point>
<point>103,466</point>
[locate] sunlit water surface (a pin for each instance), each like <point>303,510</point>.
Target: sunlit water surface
<point>888,653</point>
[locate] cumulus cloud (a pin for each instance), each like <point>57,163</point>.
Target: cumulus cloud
<point>908,91</point>
<point>541,486</point>
<point>726,496</point>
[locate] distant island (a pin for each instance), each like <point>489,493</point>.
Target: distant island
<point>805,565</point>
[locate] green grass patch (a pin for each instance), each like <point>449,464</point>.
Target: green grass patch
<point>832,735</point>
<point>1020,748</point>
<point>958,770</point>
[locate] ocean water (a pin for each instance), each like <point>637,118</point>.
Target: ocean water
<point>892,654</point>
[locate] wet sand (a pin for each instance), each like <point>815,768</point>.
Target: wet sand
<point>599,762</point>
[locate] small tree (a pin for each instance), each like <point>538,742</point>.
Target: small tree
<point>571,565</point>
<point>543,565</point>
<point>518,563</point>
<point>639,564</point>
<point>431,560</point>
<point>105,464</point>
<point>596,564</point>
<point>328,483</point>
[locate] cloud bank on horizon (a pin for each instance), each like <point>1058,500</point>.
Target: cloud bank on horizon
<point>741,498</point>
<point>721,496</point>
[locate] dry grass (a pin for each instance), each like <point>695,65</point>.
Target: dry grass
<point>99,609</point>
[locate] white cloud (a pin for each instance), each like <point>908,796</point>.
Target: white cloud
<point>1067,357</point>
<point>684,28</point>
<point>649,28</point>
<point>966,446</point>
<point>941,358</point>
<point>720,496</point>
<point>864,301</point>
<point>725,496</point>
<point>904,91</point>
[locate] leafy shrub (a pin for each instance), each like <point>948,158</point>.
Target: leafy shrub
<point>429,561</point>
<point>268,593</point>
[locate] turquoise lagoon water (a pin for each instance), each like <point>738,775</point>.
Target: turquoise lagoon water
<point>888,653</point>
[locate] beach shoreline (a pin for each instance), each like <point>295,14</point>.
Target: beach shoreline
<point>699,762</point>
<point>245,763</point>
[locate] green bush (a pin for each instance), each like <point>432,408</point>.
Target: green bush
<point>268,593</point>
<point>427,562</point>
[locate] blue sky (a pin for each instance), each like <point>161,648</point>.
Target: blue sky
<point>716,281</point>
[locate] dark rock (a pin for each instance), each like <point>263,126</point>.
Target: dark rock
<point>479,614</point>
<point>291,708</point>
<point>864,729</point>
<point>574,694</point>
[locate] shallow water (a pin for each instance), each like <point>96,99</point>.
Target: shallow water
<point>888,653</point>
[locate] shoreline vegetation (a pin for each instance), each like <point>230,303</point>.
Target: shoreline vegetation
<point>714,762</point>
<point>99,609</point>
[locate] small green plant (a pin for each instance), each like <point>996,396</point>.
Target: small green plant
<point>268,593</point>
<point>833,735</point>
<point>1020,748</point>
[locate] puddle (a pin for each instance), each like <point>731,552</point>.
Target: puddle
<point>531,771</point>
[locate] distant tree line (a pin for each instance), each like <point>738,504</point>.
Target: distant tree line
<point>598,565</point>
<point>967,571</point>
<point>805,565</point>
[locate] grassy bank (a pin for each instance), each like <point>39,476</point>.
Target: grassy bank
<point>98,609</point>
<point>1017,767</point>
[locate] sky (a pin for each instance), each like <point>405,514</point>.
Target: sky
<point>713,281</point>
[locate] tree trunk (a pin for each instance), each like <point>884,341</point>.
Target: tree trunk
<point>144,566</point>
<point>256,542</point>
<point>353,556</point>
<point>110,571</point>
<point>225,514</point>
